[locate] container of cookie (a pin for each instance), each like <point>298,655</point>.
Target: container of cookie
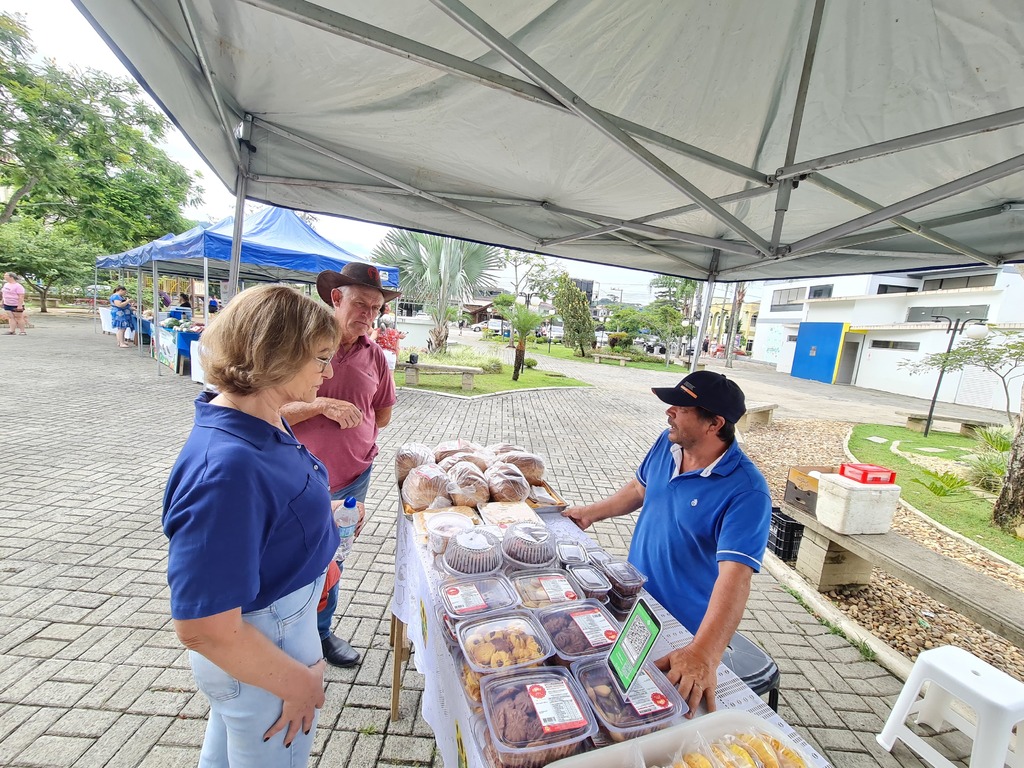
<point>578,630</point>
<point>621,604</point>
<point>472,551</point>
<point>593,583</point>
<point>469,679</point>
<point>539,589</point>
<point>653,702</point>
<point>598,557</point>
<point>571,553</point>
<point>476,596</point>
<point>528,545</point>
<point>536,716</point>
<point>624,577</point>
<point>504,642</point>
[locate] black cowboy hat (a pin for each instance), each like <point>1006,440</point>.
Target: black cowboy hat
<point>353,273</point>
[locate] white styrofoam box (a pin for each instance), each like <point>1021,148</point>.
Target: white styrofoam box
<point>659,748</point>
<point>846,506</point>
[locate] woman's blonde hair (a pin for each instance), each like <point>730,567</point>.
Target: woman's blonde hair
<point>263,337</point>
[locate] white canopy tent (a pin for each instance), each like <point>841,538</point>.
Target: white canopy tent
<point>730,140</point>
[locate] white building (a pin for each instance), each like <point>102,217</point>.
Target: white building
<point>858,329</point>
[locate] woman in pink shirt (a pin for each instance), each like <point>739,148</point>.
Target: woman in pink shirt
<point>14,304</point>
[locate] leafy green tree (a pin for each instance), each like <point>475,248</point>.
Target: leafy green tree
<point>675,291</point>
<point>524,322</point>
<point>627,320</point>
<point>80,147</point>
<point>440,271</point>
<point>666,321</point>
<point>574,308</point>
<point>45,255</point>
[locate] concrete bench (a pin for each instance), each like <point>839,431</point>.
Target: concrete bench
<point>916,422</point>
<point>756,414</point>
<point>828,560</point>
<point>622,360</point>
<point>412,373</point>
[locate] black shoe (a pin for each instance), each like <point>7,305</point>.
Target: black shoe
<point>338,652</point>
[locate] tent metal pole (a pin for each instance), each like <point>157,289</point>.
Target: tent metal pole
<point>95,296</point>
<point>156,321</point>
<point>531,239</point>
<point>943,191</point>
<point>138,317</point>
<point>786,188</point>
<point>907,224</point>
<point>411,50</point>
<point>672,234</point>
<point>706,314</point>
<point>733,197</point>
<point>241,185</point>
<point>197,44</point>
<point>994,122</point>
<point>206,290</point>
<point>574,102</point>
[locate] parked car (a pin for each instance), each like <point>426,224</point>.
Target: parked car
<point>557,332</point>
<point>476,327</point>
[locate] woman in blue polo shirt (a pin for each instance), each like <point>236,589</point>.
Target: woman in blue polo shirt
<point>247,512</point>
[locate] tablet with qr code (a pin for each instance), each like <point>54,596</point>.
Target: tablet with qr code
<point>631,649</point>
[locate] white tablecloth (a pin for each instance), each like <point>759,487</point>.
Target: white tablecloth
<point>445,707</point>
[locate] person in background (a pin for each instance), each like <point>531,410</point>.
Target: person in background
<point>184,300</point>
<point>13,294</point>
<point>247,514</point>
<point>214,305</point>
<point>705,510</point>
<point>122,315</point>
<point>341,424</point>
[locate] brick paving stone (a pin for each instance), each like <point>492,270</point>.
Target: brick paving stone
<point>54,751</point>
<point>162,756</point>
<point>407,749</point>
<point>83,722</point>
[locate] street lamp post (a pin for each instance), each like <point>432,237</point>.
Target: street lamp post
<point>953,328</point>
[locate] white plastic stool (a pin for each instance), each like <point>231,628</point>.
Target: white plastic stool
<point>996,698</point>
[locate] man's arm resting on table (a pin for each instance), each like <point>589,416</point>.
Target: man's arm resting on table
<point>694,669</point>
<point>629,498</point>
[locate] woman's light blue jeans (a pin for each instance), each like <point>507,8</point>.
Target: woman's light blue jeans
<point>240,713</point>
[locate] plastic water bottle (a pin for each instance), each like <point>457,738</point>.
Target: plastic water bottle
<point>346,517</point>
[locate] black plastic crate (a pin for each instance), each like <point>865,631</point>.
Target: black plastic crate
<point>784,535</point>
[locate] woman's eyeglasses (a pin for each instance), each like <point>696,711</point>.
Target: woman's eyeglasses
<point>324,362</point>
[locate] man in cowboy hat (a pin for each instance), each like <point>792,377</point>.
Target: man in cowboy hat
<point>703,525</point>
<point>340,426</point>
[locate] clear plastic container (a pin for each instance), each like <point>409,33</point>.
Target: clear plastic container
<point>477,596</point>
<point>442,526</point>
<point>624,577</point>
<point>469,679</point>
<point>449,627</point>
<point>528,545</point>
<point>539,589</point>
<point>472,552</point>
<point>579,630</point>
<point>621,604</point>
<point>593,583</point>
<point>653,703</point>
<point>504,642</point>
<point>571,553</point>
<point>536,717</point>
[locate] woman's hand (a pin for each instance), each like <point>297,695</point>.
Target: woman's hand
<point>299,709</point>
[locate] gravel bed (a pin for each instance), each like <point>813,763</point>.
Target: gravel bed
<point>904,618</point>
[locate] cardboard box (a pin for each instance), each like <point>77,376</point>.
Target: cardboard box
<point>802,487</point>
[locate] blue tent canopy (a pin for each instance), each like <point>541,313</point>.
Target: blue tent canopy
<point>276,245</point>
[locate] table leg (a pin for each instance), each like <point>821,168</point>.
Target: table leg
<point>400,655</point>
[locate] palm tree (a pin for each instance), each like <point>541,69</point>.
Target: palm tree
<point>524,321</point>
<point>441,271</point>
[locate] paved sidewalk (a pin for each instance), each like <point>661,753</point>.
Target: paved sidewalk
<point>91,673</point>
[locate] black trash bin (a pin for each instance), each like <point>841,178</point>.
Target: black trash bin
<point>754,667</point>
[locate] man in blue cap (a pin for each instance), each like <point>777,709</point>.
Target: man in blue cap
<point>703,524</point>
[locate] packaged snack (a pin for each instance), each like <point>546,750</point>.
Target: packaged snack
<point>539,589</point>
<point>506,482</point>
<point>480,460</point>
<point>571,553</point>
<point>449,627</point>
<point>578,629</point>
<point>506,513</point>
<point>503,642</point>
<point>411,455</point>
<point>470,679</point>
<point>472,552</point>
<point>653,701</point>
<point>530,464</point>
<point>468,486</point>
<point>477,596</point>
<point>535,717</point>
<point>448,447</point>
<point>624,577</point>
<point>441,527</point>
<point>424,485</point>
<point>593,583</point>
<point>497,448</point>
<point>528,545</point>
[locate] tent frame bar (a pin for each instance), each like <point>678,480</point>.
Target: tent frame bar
<point>995,122</point>
<point>373,189</point>
<point>574,102</point>
<point>383,40</point>
<point>391,180</point>
<point>823,240</point>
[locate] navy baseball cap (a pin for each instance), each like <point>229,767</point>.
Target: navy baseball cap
<point>709,390</point>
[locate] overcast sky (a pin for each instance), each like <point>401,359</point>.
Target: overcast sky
<point>60,32</point>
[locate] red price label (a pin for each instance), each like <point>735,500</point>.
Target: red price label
<point>538,691</point>
<point>660,700</point>
<point>570,595</point>
<point>611,634</point>
<point>452,591</point>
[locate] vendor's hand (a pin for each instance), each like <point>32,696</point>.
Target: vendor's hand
<point>362,519</point>
<point>694,674</point>
<point>299,711</point>
<point>341,411</point>
<point>582,516</point>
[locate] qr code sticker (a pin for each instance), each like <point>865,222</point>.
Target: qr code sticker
<point>636,640</point>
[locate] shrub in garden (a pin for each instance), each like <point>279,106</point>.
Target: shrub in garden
<point>530,363</point>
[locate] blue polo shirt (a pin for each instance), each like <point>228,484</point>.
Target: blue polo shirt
<point>690,522</point>
<point>247,512</point>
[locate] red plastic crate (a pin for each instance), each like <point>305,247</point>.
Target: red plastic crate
<point>870,474</point>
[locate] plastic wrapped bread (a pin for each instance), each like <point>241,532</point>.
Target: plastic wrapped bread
<point>443,450</point>
<point>507,482</point>
<point>482,460</point>
<point>530,464</point>
<point>468,486</point>
<point>411,455</point>
<point>425,486</point>
<point>499,448</point>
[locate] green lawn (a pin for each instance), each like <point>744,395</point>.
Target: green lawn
<point>564,353</point>
<point>966,514</point>
<point>489,383</point>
